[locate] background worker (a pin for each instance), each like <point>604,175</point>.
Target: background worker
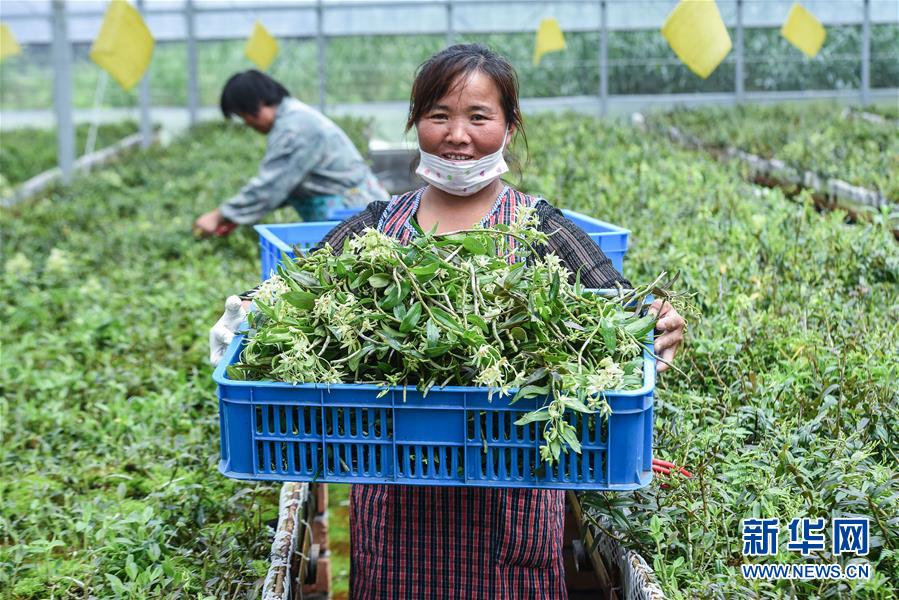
<point>309,161</point>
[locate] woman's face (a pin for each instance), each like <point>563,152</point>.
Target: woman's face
<point>467,123</point>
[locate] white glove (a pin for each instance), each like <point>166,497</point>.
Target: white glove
<point>224,329</point>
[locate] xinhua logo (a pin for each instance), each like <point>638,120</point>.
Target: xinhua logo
<point>848,537</point>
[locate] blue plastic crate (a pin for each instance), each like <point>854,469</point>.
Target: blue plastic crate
<point>342,214</point>
<point>275,239</point>
<point>344,433</point>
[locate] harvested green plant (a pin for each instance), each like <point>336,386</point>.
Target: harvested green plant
<point>453,309</point>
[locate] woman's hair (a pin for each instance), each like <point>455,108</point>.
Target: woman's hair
<point>436,76</point>
<point>245,92</point>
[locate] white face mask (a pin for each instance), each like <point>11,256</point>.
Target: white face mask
<point>462,177</point>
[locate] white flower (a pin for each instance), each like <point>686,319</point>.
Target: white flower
<point>608,378</point>
<point>526,217</point>
<point>554,265</point>
<point>18,266</point>
<point>627,345</point>
<point>372,245</point>
<point>271,289</point>
<point>58,263</point>
<point>324,306</point>
<point>494,375</point>
<point>486,355</point>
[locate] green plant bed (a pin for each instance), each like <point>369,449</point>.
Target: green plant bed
<point>27,152</point>
<point>813,137</point>
<point>787,406</point>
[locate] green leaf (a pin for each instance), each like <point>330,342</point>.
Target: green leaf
<point>391,342</point>
<point>447,320</point>
<point>537,375</point>
<point>399,311</point>
<point>432,332</point>
<point>554,287</point>
<point>379,280</point>
<point>609,335</point>
<point>361,278</point>
<point>533,417</point>
<point>131,568</point>
<point>575,404</point>
<point>516,272</point>
<point>305,279</point>
<point>304,300</point>
<point>515,320</point>
<point>358,355</point>
<point>569,434</point>
<point>474,245</point>
<point>117,586</point>
<point>478,321</point>
<point>391,297</point>
<point>641,326</point>
<point>410,320</point>
<point>531,391</point>
<point>437,350</point>
<point>425,272</point>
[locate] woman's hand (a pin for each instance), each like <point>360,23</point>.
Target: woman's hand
<point>670,328</point>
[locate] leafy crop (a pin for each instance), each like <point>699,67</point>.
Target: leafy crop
<point>787,405</point>
<point>455,308</point>
<point>27,152</point>
<point>109,426</point>
<point>812,137</point>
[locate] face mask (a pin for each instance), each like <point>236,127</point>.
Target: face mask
<point>462,177</point>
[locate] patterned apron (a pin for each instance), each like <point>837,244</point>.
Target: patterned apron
<point>455,542</point>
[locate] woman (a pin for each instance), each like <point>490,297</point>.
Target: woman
<point>309,161</point>
<point>463,542</point>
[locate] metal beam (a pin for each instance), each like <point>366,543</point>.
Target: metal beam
<point>740,73</point>
<point>193,88</point>
<point>866,54</point>
<point>62,92</point>
<point>322,66</point>
<point>603,58</point>
<point>450,26</point>
<point>143,91</point>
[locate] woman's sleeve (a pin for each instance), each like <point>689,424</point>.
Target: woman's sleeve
<point>368,218</point>
<point>342,232</point>
<point>577,250</point>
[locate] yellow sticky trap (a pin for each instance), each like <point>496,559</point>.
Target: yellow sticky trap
<point>9,46</point>
<point>261,47</point>
<point>124,46</point>
<point>697,35</point>
<point>804,31</point>
<point>549,39</point>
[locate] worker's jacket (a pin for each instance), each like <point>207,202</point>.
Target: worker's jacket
<point>307,157</point>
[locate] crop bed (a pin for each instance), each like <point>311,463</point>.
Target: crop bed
<point>825,139</point>
<point>27,152</point>
<point>787,405</point>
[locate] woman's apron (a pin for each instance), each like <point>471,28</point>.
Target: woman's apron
<point>455,542</point>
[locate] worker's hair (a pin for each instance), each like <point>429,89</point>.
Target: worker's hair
<point>436,76</point>
<point>245,92</point>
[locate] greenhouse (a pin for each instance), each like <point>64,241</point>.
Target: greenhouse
<point>587,299</point>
